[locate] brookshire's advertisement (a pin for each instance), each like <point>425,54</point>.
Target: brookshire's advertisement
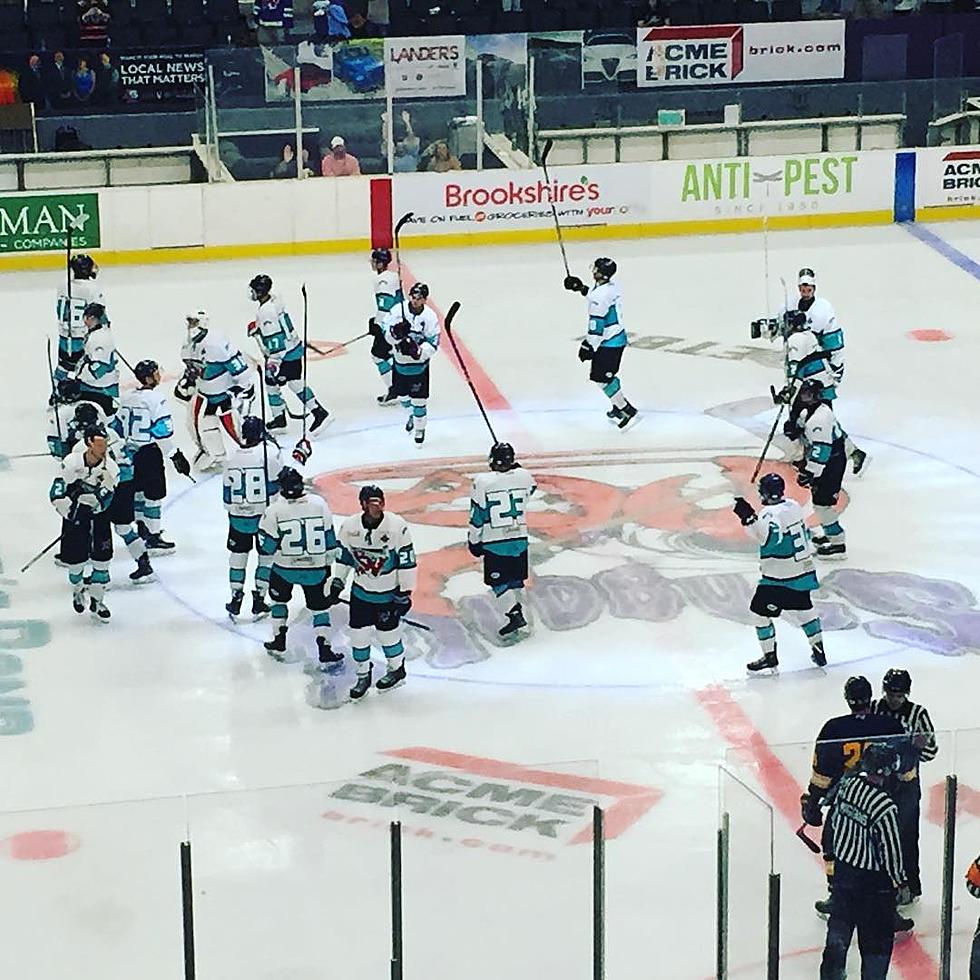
<point>507,199</point>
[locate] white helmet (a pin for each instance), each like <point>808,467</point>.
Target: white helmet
<point>200,317</point>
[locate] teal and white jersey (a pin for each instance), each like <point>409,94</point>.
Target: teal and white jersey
<point>299,536</point>
<point>275,332</point>
<point>423,328</point>
<point>63,431</point>
<point>785,557</point>
<point>383,558</point>
<point>606,327</point>
<point>146,418</point>
<point>249,484</point>
<point>91,486</point>
<point>118,448</point>
<point>822,320</point>
<point>71,327</point>
<point>387,293</point>
<point>222,366</point>
<point>806,359</point>
<point>822,438</point>
<point>497,511</point>
<point>98,370</point>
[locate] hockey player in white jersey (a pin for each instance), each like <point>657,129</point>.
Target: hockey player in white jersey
<point>498,532</point>
<point>296,531</point>
<point>249,484</point>
<point>378,547</point>
<point>82,493</point>
<point>787,574</point>
<point>148,429</point>
<point>412,330</point>
<point>79,291</point>
<point>605,340</point>
<point>97,372</point>
<point>284,355</point>
<point>814,426</point>
<point>387,295</point>
<point>215,372</point>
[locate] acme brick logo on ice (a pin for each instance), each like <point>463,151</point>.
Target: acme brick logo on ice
<point>693,54</point>
<point>961,170</point>
<point>471,794</point>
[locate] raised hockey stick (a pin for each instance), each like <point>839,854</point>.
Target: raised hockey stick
<point>306,334</point>
<point>812,844</point>
<point>409,622</point>
<point>402,221</point>
<point>554,211</point>
<point>450,316</point>
<point>40,555</point>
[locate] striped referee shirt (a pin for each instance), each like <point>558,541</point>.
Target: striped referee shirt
<point>864,821</point>
<point>916,721</point>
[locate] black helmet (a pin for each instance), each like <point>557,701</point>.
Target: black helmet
<point>371,492</point>
<point>897,681</point>
<point>772,488</point>
<point>290,483</point>
<point>144,370</point>
<point>253,430</point>
<point>93,432</point>
<point>879,759</point>
<point>604,267</point>
<point>811,390</point>
<point>82,266</point>
<point>502,457</point>
<point>96,310</point>
<point>261,285</point>
<point>857,692</point>
<point>86,415</point>
<point>419,291</point>
<point>382,255</point>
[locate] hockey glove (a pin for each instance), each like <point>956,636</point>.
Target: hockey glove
<point>586,352</point>
<point>744,510</point>
<point>79,514</point>
<point>804,478</point>
<point>810,811</point>
<point>575,285</point>
<point>303,451</point>
<point>402,603</point>
<point>333,596</point>
<point>782,397</point>
<point>794,319</point>
<point>63,506</point>
<point>252,329</point>
<point>410,348</point>
<point>476,549</point>
<point>374,328</point>
<point>180,463</point>
<point>792,430</point>
<point>973,879</point>
<point>272,367</point>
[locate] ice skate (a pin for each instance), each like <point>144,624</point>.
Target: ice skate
<point>260,607</point>
<point>234,606</point>
<point>321,419</point>
<point>627,417</point>
<point>860,461</point>
<point>817,655</point>
<point>361,686</point>
<point>767,661</point>
<point>515,621</point>
<point>143,572</point>
<point>276,647</point>
<point>391,679</point>
<point>831,551</point>
<point>98,610</point>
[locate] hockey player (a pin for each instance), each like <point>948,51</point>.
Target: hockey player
<point>788,576</point>
<point>915,721</point>
<point>283,352</point>
<point>214,372</point>
<point>812,423</point>
<point>378,547</point>
<point>97,373</point>
<point>412,330</point>
<point>821,320</point>
<point>149,432</point>
<point>72,300</point>
<point>296,531</point>
<point>840,744</point>
<point>82,493</point>
<point>606,339</point>
<point>387,295</point>
<point>498,531</point>
<point>249,486</point>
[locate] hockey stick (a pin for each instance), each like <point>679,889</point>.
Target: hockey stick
<point>54,397</point>
<point>336,347</point>
<point>40,554</point>
<point>410,622</point>
<point>554,211</point>
<point>453,310</point>
<point>265,437</point>
<point>402,221</point>
<point>306,333</point>
<point>811,844</point>
<point>765,448</point>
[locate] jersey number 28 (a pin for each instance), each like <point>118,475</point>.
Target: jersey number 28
<point>246,486</point>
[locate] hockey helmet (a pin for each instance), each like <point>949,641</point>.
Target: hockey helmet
<point>857,691</point>
<point>772,488</point>
<point>68,390</point>
<point>807,277</point>
<point>879,759</point>
<point>897,681</point>
<point>382,256</point>
<point>96,311</point>
<point>96,431</point>
<point>83,267</point>
<point>371,492</point>
<point>419,291</point>
<point>604,267</point>
<point>502,457</point>
<point>811,391</point>
<point>145,370</point>
<point>86,415</point>
<point>253,430</point>
<point>290,483</point>
<point>261,285</point>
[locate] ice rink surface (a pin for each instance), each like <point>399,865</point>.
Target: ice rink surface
<point>630,692</point>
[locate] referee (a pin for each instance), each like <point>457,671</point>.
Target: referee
<point>868,870</point>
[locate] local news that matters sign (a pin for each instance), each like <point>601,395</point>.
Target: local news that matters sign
<point>947,176</point>
<point>426,66</point>
<point>161,76</point>
<point>41,223</point>
<point>721,54</point>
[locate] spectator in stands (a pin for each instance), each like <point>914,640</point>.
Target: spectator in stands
<point>82,81</point>
<point>93,21</point>
<point>107,80</point>
<point>30,85</point>
<point>441,159</point>
<point>652,14</point>
<point>272,18</point>
<point>338,162</point>
<point>58,85</point>
<point>286,167</point>
<point>330,20</point>
<point>361,27</point>
<point>407,146</point>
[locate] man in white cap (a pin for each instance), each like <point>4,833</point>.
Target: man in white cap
<point>338,162</point>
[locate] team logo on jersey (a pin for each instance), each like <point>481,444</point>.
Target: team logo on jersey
<point>369,562</point>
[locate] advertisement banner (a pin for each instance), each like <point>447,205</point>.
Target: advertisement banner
<point>724,53</point>
<point>157,76</point>
<point>511,200</point>
<point>41,222</point>
<point>423,67</point>
<point>343,71</point>
<point>947,176</point>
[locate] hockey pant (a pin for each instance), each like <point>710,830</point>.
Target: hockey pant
<point>290,376</point>
<point>208,419</point>
<point>87,546</point>
<point>869,910</point>
<point>384,618</point>
<point>806,619</point>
